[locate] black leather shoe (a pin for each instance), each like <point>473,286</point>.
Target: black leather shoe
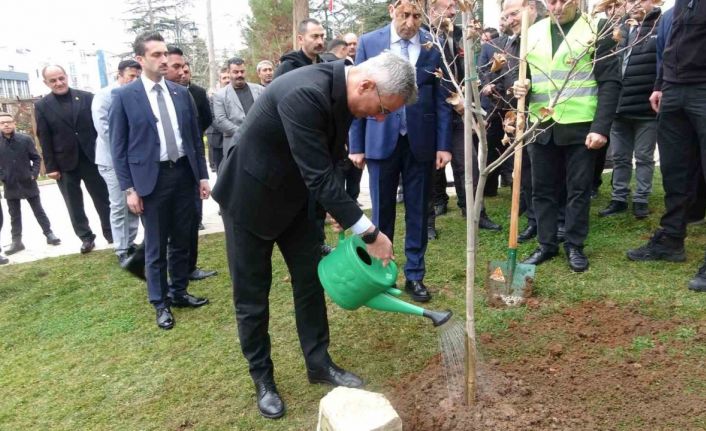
<point>578,262</point>
<point>527,234</point>
<point>640,210</point>
<point>109,238</point>
<point>165,320</point>
<point>88,245</point>
<point>121,259</point>
<point>15,247</point>
<point>660,247</point>
<point>200,274</point>
<point>440,209</point>
<point>614,207</point>
<point>135,262</point>
<point>432,234</point>
<point>334,375</point>
<point>560,233</point>
<point>4,260</point>
<point>540,256</point>
<point>187,301</point>
<point>417,290</point>
<point>486,223</point>
<point>201,226</point>
<point>53,239</point>
<point>269,402</point>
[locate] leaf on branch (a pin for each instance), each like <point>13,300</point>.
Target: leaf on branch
<point>474,30</point>
<point>632,22</point>
<point>546,112</point>
<point>428,45</point>
<point>506,140</point>
<point>617,35</point>
<point>570,61</point>
<point>439,73</point>
<point>454,99</point>
<point>499,61</point>
<point>465,5</point>
<point>509,122</point>
<point>446,25</point>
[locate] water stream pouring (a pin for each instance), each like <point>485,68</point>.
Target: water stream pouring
<point>352,278</point>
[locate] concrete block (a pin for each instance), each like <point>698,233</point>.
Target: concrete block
<point>347,409</point>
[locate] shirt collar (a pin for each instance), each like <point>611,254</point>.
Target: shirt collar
<point>149,84</point>
<point>394,37</point>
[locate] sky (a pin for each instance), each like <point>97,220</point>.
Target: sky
<point>35,22</point>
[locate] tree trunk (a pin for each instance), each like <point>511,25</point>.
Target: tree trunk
<point>213,69</point>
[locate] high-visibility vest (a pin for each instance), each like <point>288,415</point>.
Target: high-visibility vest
<point>579,99</point>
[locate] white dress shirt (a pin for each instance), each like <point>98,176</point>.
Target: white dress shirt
<point>414,47</point>
<point>152,97</point>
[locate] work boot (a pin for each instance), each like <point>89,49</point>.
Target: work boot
<point>613,208</point>
<point>640,210</point>
<point>698,283</point>
<point>660,247</point>
<point>53,239</point>
<point>15,247</point>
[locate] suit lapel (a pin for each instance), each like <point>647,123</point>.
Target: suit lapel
<point>424,53</point>
<point>143,101</point>
<point>76,102</point>
<point>234,99</point>
<point>53,104</point>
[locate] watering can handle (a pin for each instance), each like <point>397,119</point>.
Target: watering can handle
<point>341,236</point>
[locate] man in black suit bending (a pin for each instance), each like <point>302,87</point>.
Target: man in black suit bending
<point>286,154</point>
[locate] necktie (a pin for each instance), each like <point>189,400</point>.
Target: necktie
<point>404,49</point>
<point>169,138</point>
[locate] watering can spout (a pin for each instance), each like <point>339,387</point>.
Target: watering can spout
<point>438,317</point>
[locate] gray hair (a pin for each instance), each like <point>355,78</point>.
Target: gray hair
<point>393,75</point>
<point>262,64</point>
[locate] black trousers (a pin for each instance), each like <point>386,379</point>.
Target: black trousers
<point>351,177</point>
<point>681,138</point>
<point>250,264</point>
<point>15,209</point>
<point>70,187</point>
<point>168,216</point>
<point>547,176</point>
<point>217,157</point>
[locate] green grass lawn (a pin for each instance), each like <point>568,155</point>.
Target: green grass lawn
<point>80,349</point>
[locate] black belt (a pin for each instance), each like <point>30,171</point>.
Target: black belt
<point>169,164</point>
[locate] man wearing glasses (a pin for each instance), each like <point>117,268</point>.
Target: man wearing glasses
<point>411,141</point>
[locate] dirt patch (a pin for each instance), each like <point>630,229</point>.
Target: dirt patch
<point>593,367</point>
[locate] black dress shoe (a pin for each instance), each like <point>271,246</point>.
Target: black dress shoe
<point>432,234</point>
<point>200,274</point>
<point>417,290</point>
<point>4,260</point>
<point>527,234</point>
<point>613,208</point>
<point>53,239</point>
<point>87,245</point>
<point>486,223</point>
<point>135,262</point>
<point>540,256</point>
<point>440,209</point>
<point>560,233</point>
<point>165,320</point>
<point>15,247</point>
<point>640,210</point>
<point>269,402</point>
<point>201,226</point>
<point>334,375</point>
<point>187,301</point>
<point>578,262</point>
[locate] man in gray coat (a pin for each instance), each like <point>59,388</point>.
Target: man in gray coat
<point>232,102</point>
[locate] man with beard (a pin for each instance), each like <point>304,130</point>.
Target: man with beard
<point>265,71</point>
<point>310,37</point>
<point>233,102</point>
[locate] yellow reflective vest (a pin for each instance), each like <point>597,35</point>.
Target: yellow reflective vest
<point>579,99</point>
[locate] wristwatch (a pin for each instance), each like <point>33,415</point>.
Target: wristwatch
<point>370,237</point>
<point>129,191</point>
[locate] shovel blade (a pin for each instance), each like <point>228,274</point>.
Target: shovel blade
<point>503,291</point>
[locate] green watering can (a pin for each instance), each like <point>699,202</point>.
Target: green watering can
<point>353,278</point>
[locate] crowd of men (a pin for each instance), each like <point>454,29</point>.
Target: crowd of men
<point>291,149</point>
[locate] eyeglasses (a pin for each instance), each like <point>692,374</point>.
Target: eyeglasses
<point>383,110</point>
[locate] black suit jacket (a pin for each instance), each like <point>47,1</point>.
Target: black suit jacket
<point>203,106</point>
<point>61,137</point>
<point>287,148</point>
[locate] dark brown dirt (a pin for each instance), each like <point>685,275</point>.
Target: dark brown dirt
<point>593,367</point>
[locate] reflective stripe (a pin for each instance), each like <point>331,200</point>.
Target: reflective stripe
<point>562,75</point>
<point>567,93</point>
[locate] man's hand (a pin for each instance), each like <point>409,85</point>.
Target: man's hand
<point>519,89</point>
<point>204,189</point>
<point>358,160</point>
<point>381,248</point>
<point>134,203</point>
<point>442,159</point>
<point>56,175</point>
<point>487,90</point>
<point>335,226</point>
<point>595,141</point>
<point>656,100</point>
